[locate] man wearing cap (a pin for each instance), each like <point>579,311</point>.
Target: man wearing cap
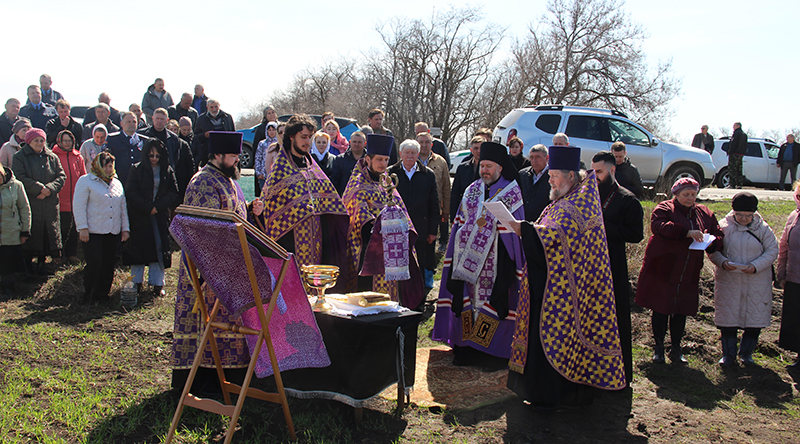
<point>7,151</point>
<point>8,119</point>
<point>302,210</point>
<point>183,109</point>
<point>215,187</point>
<point>126,146</point>
<point>623,220</point>
<point>566,339</point>
<point>483,268</point>
<point>36,110</point>
<point>381,235</point>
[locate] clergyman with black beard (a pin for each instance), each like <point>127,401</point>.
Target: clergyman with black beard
<point>622,217</point>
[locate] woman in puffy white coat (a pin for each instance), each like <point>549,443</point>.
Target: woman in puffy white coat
<point>743,284</point>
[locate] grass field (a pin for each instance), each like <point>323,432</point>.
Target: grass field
<point>73,373</point>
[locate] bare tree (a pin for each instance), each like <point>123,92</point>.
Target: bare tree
<point>433,70</point>
<point>588,53</point>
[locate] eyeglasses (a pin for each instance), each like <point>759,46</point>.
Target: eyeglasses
<point>155,156</point>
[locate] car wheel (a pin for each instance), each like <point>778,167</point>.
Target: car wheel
<point>246,159</point>
<point>682,172</point>
<point>723,178</point>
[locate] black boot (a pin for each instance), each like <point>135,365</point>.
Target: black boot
<point>659,323</point>
<point>677,325</point>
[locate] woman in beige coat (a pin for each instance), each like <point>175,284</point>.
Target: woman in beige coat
<point>743,284</point>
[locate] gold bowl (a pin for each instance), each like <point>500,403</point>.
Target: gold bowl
<point>320,278</point>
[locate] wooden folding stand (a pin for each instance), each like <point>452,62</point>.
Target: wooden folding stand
<point>229,409</point>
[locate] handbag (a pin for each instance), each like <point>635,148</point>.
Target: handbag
<point>774,276</point>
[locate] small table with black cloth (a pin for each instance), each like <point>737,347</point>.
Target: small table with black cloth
<point>364,352</point>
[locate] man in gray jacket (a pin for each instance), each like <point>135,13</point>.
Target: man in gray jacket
<point>155,97</point>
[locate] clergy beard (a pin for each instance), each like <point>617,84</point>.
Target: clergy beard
<point>229,171</point>
<point>556,193</point>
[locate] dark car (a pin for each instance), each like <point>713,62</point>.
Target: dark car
<point>247,158</point>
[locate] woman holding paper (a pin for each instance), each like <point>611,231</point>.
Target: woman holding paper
<point>670,275</point>
<point>788,277</point>
<point>743,283</point>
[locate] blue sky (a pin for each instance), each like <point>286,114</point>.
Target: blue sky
<point>735,58</point>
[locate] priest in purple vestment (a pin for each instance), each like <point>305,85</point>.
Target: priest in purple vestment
<point>381,235</point>
<point>214,187</point>
<point>302,209</point>
<point>483,268</point>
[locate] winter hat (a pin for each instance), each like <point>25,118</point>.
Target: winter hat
<point>21,123</point>
<point>745,202</point>
<point>684,183</point>
<point>32,134</point>
<point>185,121</point>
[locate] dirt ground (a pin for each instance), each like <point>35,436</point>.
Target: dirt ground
<point>666,403</point>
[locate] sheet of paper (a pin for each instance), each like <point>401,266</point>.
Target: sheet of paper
<point>707,239</point>
<point>501,213</point>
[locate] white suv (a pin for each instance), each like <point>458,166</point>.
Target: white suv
<point>759,164</point>
<point>659,163</point>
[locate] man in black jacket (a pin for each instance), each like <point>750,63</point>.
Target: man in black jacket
<point>180,157</point>
<point>344,163</point>
<point>788,158</point>
<point>622,217</point>
<point>416,184</point>
<point>102,112</point>
<point>126,146</point>
<point>534,181</point>
<point>627,175</point>
<point>213,120</point>
<point>466,173</point>
<point>113,115</point>
<point>62,122</point>
<point>736,150</point>
<point>183,108</point>
<point>8,119</point>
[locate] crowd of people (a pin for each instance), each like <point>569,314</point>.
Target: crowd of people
<point>543,290</point>
<point>119,175</point>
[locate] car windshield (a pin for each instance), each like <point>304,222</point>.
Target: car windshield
<point>625,132</point>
